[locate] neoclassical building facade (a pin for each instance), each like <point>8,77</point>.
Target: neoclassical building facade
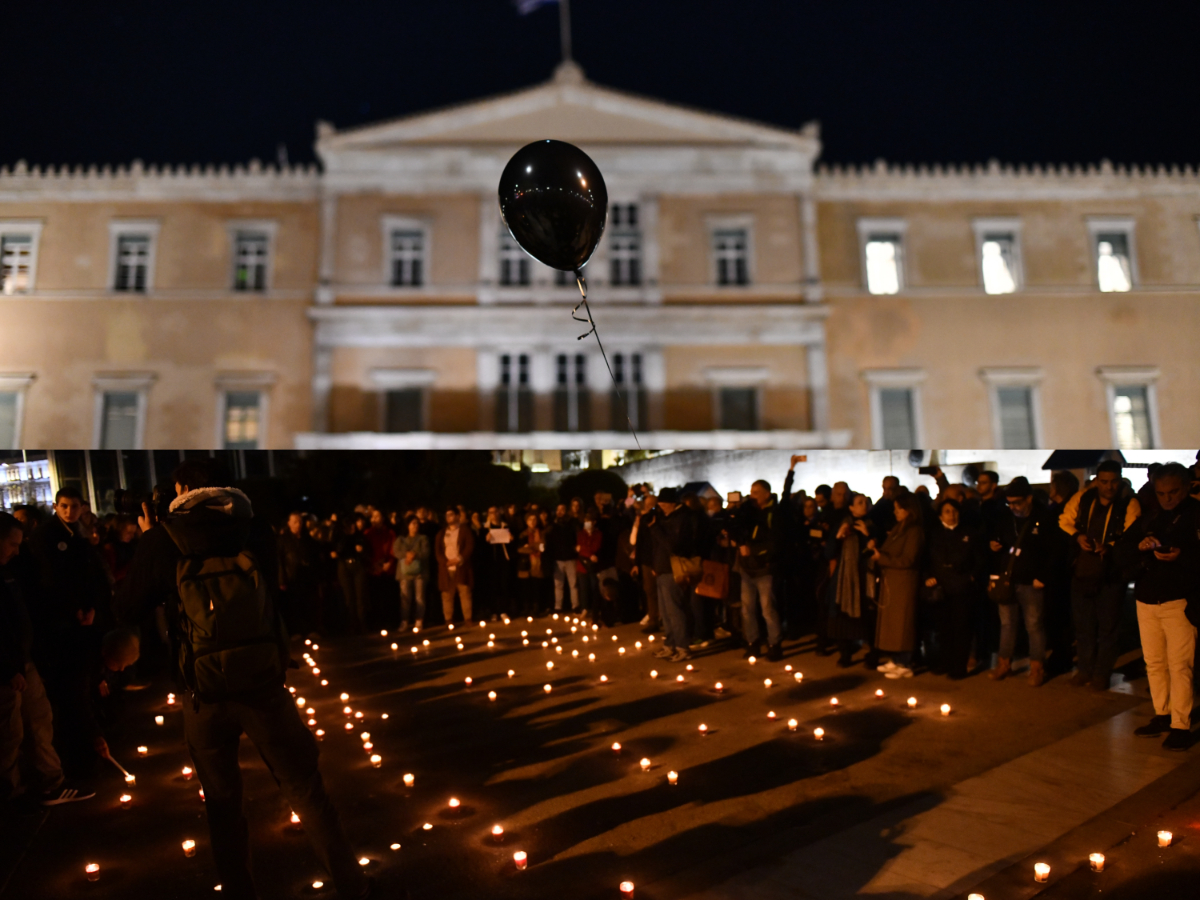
<point>747,296</point>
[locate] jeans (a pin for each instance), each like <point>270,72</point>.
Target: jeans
<point>757,591</point>
<point>1097,615</point>
<point>1030,602</point>
<point>670,603</point>
<point>272,722</point>
<point>564,571</point>
<point>1169,649</point>
<point>464,599</point>
<point>412,588</point>
<point>26,721</point>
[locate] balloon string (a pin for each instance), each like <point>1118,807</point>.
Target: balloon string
<point>582,282</point>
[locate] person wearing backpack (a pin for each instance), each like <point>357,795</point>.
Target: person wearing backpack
<point>214,566</point>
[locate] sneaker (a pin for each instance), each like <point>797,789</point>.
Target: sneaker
<point>66,795</point>
<point>1178,739</point>
<point>664,652</point>
<point>900,672</point>
<point>887,667</point>
<point>698,645</point>
<point>721,634</point>
<point>645,621</point>
<point>681,655</point>
<point>1156,726</point>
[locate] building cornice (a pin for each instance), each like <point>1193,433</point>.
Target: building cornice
<point>579,440</point>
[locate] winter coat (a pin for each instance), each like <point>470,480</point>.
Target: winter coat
<point>955,559</point>
<point>419,547</point>
<point>587,545</point>
<point>899,564</point>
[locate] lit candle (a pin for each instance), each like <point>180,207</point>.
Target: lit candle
<point>126,801</point>
<point>793,724</point>
<point>202,795</point>
<point>547,688</point>
<point>425,643</point>
<point>365,736</point>
<point>912,702</point>
<point>879,694</point>
<point>316,671</point>
<point>93,871</point>
<point>753,660</point>
<point>310,712</point>
<point>689,667</point>
<point>187,773</point>
<point>616,748</point>
<point>525,643</point>
<point>718,687</point>
<point>491,637</point>
<point>357,715</point>
<point>491,695</point>
<point>550,665</point>
<point>368,746</point>
<point>300,701</point>
<point>945,707</point>
<point>364,861</point>
<point>819,734</point>
<point>679,678</point>
<point>787,668</point>
<point>654,673</point>
<point>295,820</point>
<point>316,646</point>
<point>974,896</point>
<point>591,657</point>
<point>1097,861</point>
<point>799,676</point>
<point>317,885</point>
<point>170,699</point>
<point>346,710</point>
<point>324,682</point>
<point>393,846</point>
<point>384,716</point>
<point>454,803</point>
<point>312,722</point>
<point>142,751</point>
<point>545,643</point>
<point>376,760</point>
<point>344,697</point>
<point>397,647</point>
<point>291,690</point>
<point>408,780</point>
<point>627,890</point>
<point>621,650</point>
<point>645,764</point>
<point>349,726</point>
<point>158,720</point>
<point>703,729</point>
<point>189,848</point>
<point>558,649</point>
<point>511,673</point>
<point>497,833</point>
<point>603,678</point>
<point>467,681</point>
<point>766,682</point>
<point>520,859</point>
<point>130,779</point>
<point>1164,838</point>
<point>771,714</point>
<point>833,701</point>
<point>491,643</point>
<point>672,778</point>
<point>650,639</point>
<point>383,633</point>
<point>1041,872</point>
<point>308,642</point>
<point>320,733</point>
<point>428,826</point>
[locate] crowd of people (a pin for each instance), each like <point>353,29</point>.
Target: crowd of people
<point>967,580</point>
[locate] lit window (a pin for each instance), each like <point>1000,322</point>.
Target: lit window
<point>16,264</point>
<point>731,252</point>
<point>738,408</point>
<point>243,412</point>
<point>629,405</point>
<point>883,263</point>
<point>119,420</point>
<point>897,418</point>
<point>1131,417</point>
<point>625,245</point>
<point>408,257</point>
<point>514,263</point>
<point>571,398</point>
<point>8,419</point>
<point>1113,272</point>
<point>133,262</point>
<point>250,251</point>
<point>1015,408</point>
<point>998,263</point>
<point>514,399</point>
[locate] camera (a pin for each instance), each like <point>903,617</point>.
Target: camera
<point>129,503</point>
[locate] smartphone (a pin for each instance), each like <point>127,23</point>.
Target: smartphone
<point>733,497</point>
<point>927,470</point>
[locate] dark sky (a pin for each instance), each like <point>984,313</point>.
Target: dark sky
<point>222,81</point>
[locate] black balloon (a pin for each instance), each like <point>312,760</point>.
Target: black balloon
<point>553,200</point>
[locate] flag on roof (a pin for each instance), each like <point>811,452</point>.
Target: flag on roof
<point>525,7</point>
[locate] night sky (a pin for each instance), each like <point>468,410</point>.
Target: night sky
<point>221,81</point>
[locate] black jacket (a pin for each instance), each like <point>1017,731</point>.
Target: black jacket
<point>955,557</point>
<point>1040,552</point>
<point>1157,581</point>
<point>560,540</point>
<point>71,577</point>
<point>16,631</point>
<point>673,535</point>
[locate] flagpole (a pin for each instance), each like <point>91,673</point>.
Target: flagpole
<point>564,28</point>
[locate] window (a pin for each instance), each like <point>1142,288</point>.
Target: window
<point>133,262</point>
<point>997,243</point>
<point>1016,408</point>
<point>882,254</point>
<point>119,422</point>
<point>408,257</point>
<point>562,278</point>
<point>625,245</point>
<point>1112,245</point>
<point>731,253</point>
<point>514,399</point>
<point>243,420</point>
<point>737,408</point>
<point>250,255</point>
<point>1132,405</point>
<point>629,405</point>
<point>9,401</point>
<point>404,410</point>
<point>16,263</point>
<point>514,263</point>
<point>895,408</point>
<point>571,398</point>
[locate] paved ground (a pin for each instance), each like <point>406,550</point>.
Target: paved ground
<point>759,810</point>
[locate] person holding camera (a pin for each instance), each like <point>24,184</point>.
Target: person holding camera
<point>1163,550</point>
<point>1095,519</point>
<point>215,566</point>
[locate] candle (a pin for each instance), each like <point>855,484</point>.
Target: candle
<point>349,726</point>
<point>654,673</point>
<point>511,673</point>
<point>491,695</point>
<point>771,714</point>
<point>170,699</point>
<point>454,804</point>
<point>344,697</point>
<point>491,643</point>
<point>467,681</point>
<point>130,779</point>
<point>383,633</point>
<point>295,820</point>
<point>497,833</point>
<point>520,859</point>
<point>425,643</point>
<point>320,733</point>
<point>317,885</point>
<point>558,649</point>
<point>201,795</point>
<point>614,637</point>
<point>346,710</point>
<point>93,871</point>
<point>384,716</point>
<point>525,643</point>
<point>650,639</point>
<point>393,846</point>
<point>291,690</point>
<point>300,701</point>
<point>672,778</point>
<point>912,702</point>
<point>142,751</point>
<point>316,671</point>
<point>689,667</point>
<point>703,729</point>
<point>189,848</point>
<point>324,682</point>
<point>945,707</point>
<point>545,643</point>
<point>799,676</point>
<point>365,736</point>
<point>368,746</point>
<point>126,801</point>
<point>718,687</point>
<point>376,760</point>
<point>974,896</point>
<point>616,748</point>
<point>550,665</point>
<point>397,647</point>
<point>766,682</point>
<point>833,701</point>
<point>793,724</point>
<point>158,720</point>
<point>1041,872</point>
<point>645,764</point>
<point>1097,861</point>
<point>310,712</point>
<point>752,660</point>
<point>621,650</point>
<point>637,645</point>
<point>357,715</point>
<point>879,694</point>
<point>787,668</point>
<point>603,678</point>
<point>428,826</point>
<point>1164,838</point>
<point>408,780</point>
<point>591,657</point>
<point>627,890</point>
<point>187,773</point>
<point>679,678</point>
<point>819,734</point>
<point>547,688</point>
<point>364,861</point>
<point>574,654</point>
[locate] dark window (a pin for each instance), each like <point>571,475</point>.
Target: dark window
<point>629,403</point>
<point>514,263</point>
<point>572,407</point>
<point>514,399</point>
<point>133,262</point>
<point>731,250</point>
<point>408,258</point>
<point>739,409</point>
<point>250,262</point>
<point>404,410</point>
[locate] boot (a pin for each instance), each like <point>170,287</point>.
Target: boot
<point>775,652</point>
<point>1002,670</point>
<point>1037,674</point>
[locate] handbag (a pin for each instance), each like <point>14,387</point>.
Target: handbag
<point>714,580</point>
<point>687,569</point>
<point>1000,588</point>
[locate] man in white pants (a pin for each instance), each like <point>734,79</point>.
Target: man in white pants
<point>1167,548</point>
